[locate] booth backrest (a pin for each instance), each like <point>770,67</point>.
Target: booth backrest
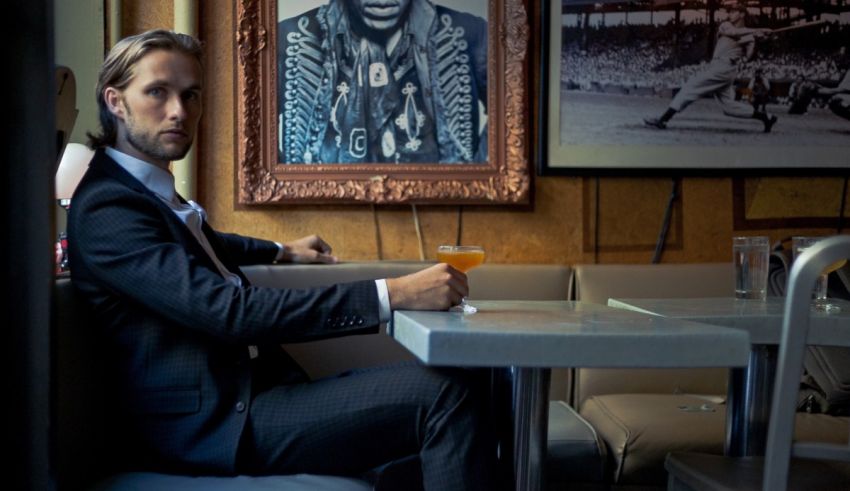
<point>597,283</point>
<point>487,282</point>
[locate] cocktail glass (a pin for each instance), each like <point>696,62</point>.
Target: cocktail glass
<point>462,258</point>
<point>820,302</point>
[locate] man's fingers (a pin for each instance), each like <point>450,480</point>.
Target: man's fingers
<point>313,256</point>
<point>320,245</point>
<point>459,285</point>
<point>326,258</point>
<point>324,247</point>
<point>455,282</point>
<point>453,278</point>
<point>435,288</point>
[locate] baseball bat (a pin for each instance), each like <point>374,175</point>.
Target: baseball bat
<point>798,26</point>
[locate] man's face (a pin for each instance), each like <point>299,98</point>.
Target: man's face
<point>381,15</point>
<point>158,111</point>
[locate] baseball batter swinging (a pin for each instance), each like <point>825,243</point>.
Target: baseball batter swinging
<point>735,41</point>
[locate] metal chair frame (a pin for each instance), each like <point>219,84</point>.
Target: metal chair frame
<point>795,327</point>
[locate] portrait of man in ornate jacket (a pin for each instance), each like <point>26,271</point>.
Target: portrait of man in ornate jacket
<point>382,81</point>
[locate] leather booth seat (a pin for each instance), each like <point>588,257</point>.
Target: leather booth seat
<point>639,431</point>
<point>643,414</point>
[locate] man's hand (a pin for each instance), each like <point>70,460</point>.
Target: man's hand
<point>310,249</point>
<point>436,288</point>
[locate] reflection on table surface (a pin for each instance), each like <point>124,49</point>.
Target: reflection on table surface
<point>762,319</point>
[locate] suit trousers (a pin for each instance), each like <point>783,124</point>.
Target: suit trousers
<point>359,420</point>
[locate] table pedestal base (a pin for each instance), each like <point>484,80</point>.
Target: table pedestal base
<point>750,395</point>
<point>530,408</point>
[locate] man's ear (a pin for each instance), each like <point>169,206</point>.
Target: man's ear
<point>114,101</point>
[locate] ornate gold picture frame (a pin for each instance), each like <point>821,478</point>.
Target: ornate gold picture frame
<point>500,175</point>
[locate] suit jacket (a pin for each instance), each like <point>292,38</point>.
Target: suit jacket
<point>177,332</point>
<point>445,67</point>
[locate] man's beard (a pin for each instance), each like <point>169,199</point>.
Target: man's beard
<point>147,144</point>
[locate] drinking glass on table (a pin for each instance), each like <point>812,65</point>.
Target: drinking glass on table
<point>819,299</point>
<point>462,258</point>
<point>750,256</point>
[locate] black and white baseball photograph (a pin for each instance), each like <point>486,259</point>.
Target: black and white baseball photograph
<point>699,84</point>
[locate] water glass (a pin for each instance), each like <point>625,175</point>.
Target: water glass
<point>819,300</point>
<point>750,255</point>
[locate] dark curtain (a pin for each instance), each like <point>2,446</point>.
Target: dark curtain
<point>26,241</point>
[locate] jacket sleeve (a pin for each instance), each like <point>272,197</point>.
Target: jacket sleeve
<point>124,251</point>
<point>248,250</point>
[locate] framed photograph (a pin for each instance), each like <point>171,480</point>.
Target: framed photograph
<point>406,101</point>
<point>694,86</point>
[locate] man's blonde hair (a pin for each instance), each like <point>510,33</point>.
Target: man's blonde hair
<point>117,71</point>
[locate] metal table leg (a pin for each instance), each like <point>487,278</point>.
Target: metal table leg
<point>530,406</point>
<point>749,397</point>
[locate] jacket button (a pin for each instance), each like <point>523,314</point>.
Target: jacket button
<point>359,322</point>
<point>240,407</point>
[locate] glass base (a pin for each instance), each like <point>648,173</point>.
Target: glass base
<point>464,307</point>
<point>751,295</point>
<point>825,306</point>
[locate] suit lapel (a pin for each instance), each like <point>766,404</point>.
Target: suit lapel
<point>220,251</point>
<point>104,163</point>
<point>218,248</point>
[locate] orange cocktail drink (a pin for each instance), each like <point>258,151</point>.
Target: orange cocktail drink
<point>461,260</point>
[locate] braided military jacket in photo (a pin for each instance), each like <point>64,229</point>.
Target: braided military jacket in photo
<point>344,99</point>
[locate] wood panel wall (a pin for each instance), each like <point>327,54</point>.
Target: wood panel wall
<point>572,220</point>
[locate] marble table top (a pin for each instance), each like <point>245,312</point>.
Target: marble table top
<point>565,334</point>
<point>762,319</point>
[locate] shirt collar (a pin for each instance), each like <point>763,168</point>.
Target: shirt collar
<point>158,181</point>
<point>421,18</point>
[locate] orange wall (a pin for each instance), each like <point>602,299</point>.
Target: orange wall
<point>561,227</point>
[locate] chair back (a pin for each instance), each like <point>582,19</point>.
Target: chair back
<point>795,326</point>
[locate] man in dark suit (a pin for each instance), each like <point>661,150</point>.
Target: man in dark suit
<point>196,365</point>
